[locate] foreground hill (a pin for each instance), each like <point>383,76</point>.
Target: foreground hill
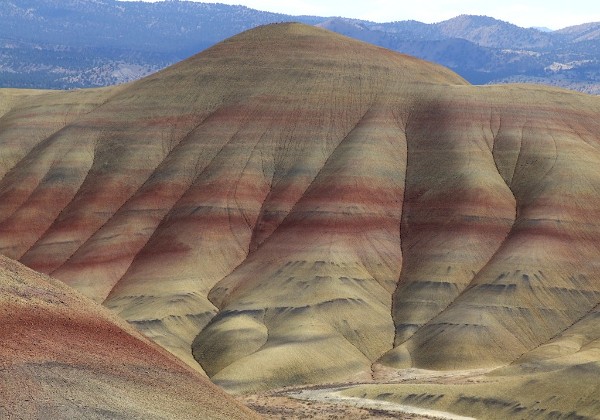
<point>292,207</point>
<point>62,356</point>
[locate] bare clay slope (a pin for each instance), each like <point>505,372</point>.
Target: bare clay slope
<point>543,276</point>
<point>558,379</point>
<point>292,206</point>
<point>174,180</point>
<point>63,356</point>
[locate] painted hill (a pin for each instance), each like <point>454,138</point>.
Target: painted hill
<point>62,356</point>
<point>559,379</point>
<point>229,156</point>
<point>292,206</point>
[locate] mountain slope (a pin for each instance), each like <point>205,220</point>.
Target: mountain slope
<point>293,206</point>
<point>58,44</point>
<point>86,43</point>
<point>485,50</point>
<point>62,356</point>
<point>489,32</point>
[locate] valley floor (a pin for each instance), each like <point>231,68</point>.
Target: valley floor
<point>328,402</point>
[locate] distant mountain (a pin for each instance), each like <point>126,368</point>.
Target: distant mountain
<point>481,30</point>
<point>485,50</point>
<point>489,32</point>
<point>542,28</point>
<point>84,43</point>
<point>585,32</point>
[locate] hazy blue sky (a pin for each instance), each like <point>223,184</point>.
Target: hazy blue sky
<point>554,14</point>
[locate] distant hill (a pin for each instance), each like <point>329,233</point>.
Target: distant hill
<point>85,43</point>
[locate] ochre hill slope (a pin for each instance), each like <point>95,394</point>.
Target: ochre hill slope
<point>292,206</point>
<point>63,356</point>
<point>559,379</point>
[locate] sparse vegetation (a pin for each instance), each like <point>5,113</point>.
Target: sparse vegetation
<point>81,43</point>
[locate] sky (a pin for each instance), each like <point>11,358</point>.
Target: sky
<point>554,14</point>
